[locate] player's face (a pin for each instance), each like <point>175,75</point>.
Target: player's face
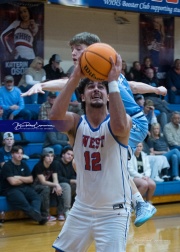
<point>9,142</point>
<point>77,50</point>
<point>95,94</point>
<point>17,156</point>
<point>48,159</point>
<point>68,157</point>
<point>24,13</point>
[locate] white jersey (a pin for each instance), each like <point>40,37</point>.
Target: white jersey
<point>101,161</point>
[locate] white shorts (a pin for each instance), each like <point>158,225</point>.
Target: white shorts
<point>84,225</point>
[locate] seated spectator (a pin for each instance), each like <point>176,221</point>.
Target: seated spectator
<point>12,102</point>
<point>66,172</point>
<point>5,151</point>
<point>140,170</point>
<point>159,104</point>
<point>172,131</point>
<point>159,146</point>
<point>1,112</point>
<point>135,73</point>
<point>147,63</point>
<point>149,112</point>
<point>173,81</point>
<point>34,74</point>
<point>53,70</point>
<point>17,186</point>
<point>56,140</point>
<point>47,185</point>
<point>46,106</point>
<point>159,165</point>
<point>139,98</point>
<point>124,68</point>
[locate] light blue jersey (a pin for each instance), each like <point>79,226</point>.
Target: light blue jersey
<point>139,121</point>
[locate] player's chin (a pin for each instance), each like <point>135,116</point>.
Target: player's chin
<point>97,104</point>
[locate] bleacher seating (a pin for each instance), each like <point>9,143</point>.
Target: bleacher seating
<point>36,140</point>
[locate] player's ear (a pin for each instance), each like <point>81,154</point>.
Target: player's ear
<point>82,98</point>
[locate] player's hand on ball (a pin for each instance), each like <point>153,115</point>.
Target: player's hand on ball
<point>115,69</point>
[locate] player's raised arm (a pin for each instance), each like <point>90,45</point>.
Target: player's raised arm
<point>53,85</point>
<point>120,122</point>
<point>143,88</point>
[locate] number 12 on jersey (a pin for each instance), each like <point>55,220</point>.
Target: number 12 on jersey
<point>92,161</point>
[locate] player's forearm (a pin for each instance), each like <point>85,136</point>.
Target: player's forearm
<point>54,85</point>
<point>142,88</point>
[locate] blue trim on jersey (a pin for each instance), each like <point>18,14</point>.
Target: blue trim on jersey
<point>96,129</point>
<point>80,120</point>
<point>125,146</point>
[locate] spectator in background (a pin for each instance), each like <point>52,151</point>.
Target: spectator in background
<point>12,102</point>
<point>159,146</point>
<point>149,112</point>
<point>47,185</point>
<point>124,68</point>
<point>140,170</point>
<point>147,63</point>
<point>67,174</point>
<point>57,141</point>
<point>34,74</point>
<point>5,151</point>
<point>139,100</point>
<point>159,104</point>
<point>173,81</point>
<point>23,31</point>
<point>53,70</point>
<point>16,186</point>
<point>135,73</point>
<point>172,131</point>
<point>46,106</point>
<point>159,165</point>
<point>1,112</point>
<point>8,142</point>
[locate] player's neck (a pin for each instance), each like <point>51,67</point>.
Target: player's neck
<point>96,116</point>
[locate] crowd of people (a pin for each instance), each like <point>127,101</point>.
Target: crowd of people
<point>51,179</point>
<point>113,123</point>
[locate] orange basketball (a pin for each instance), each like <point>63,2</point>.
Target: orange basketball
<point>95,61</point>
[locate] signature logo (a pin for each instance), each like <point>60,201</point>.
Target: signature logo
<point>29,126</point>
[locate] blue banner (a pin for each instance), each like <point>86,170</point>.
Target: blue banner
<point>153,6</point>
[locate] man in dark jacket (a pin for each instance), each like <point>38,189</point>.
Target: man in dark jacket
<point>53,69</point>
<point>16,186</point>
<point>66,172</point>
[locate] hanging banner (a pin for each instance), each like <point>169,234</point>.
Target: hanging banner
<point>21,36</point>
<point>157,41</point>
<point>153,6</point>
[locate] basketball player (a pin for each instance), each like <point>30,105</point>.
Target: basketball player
<point>139,129</point>
<point>100,213</point>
